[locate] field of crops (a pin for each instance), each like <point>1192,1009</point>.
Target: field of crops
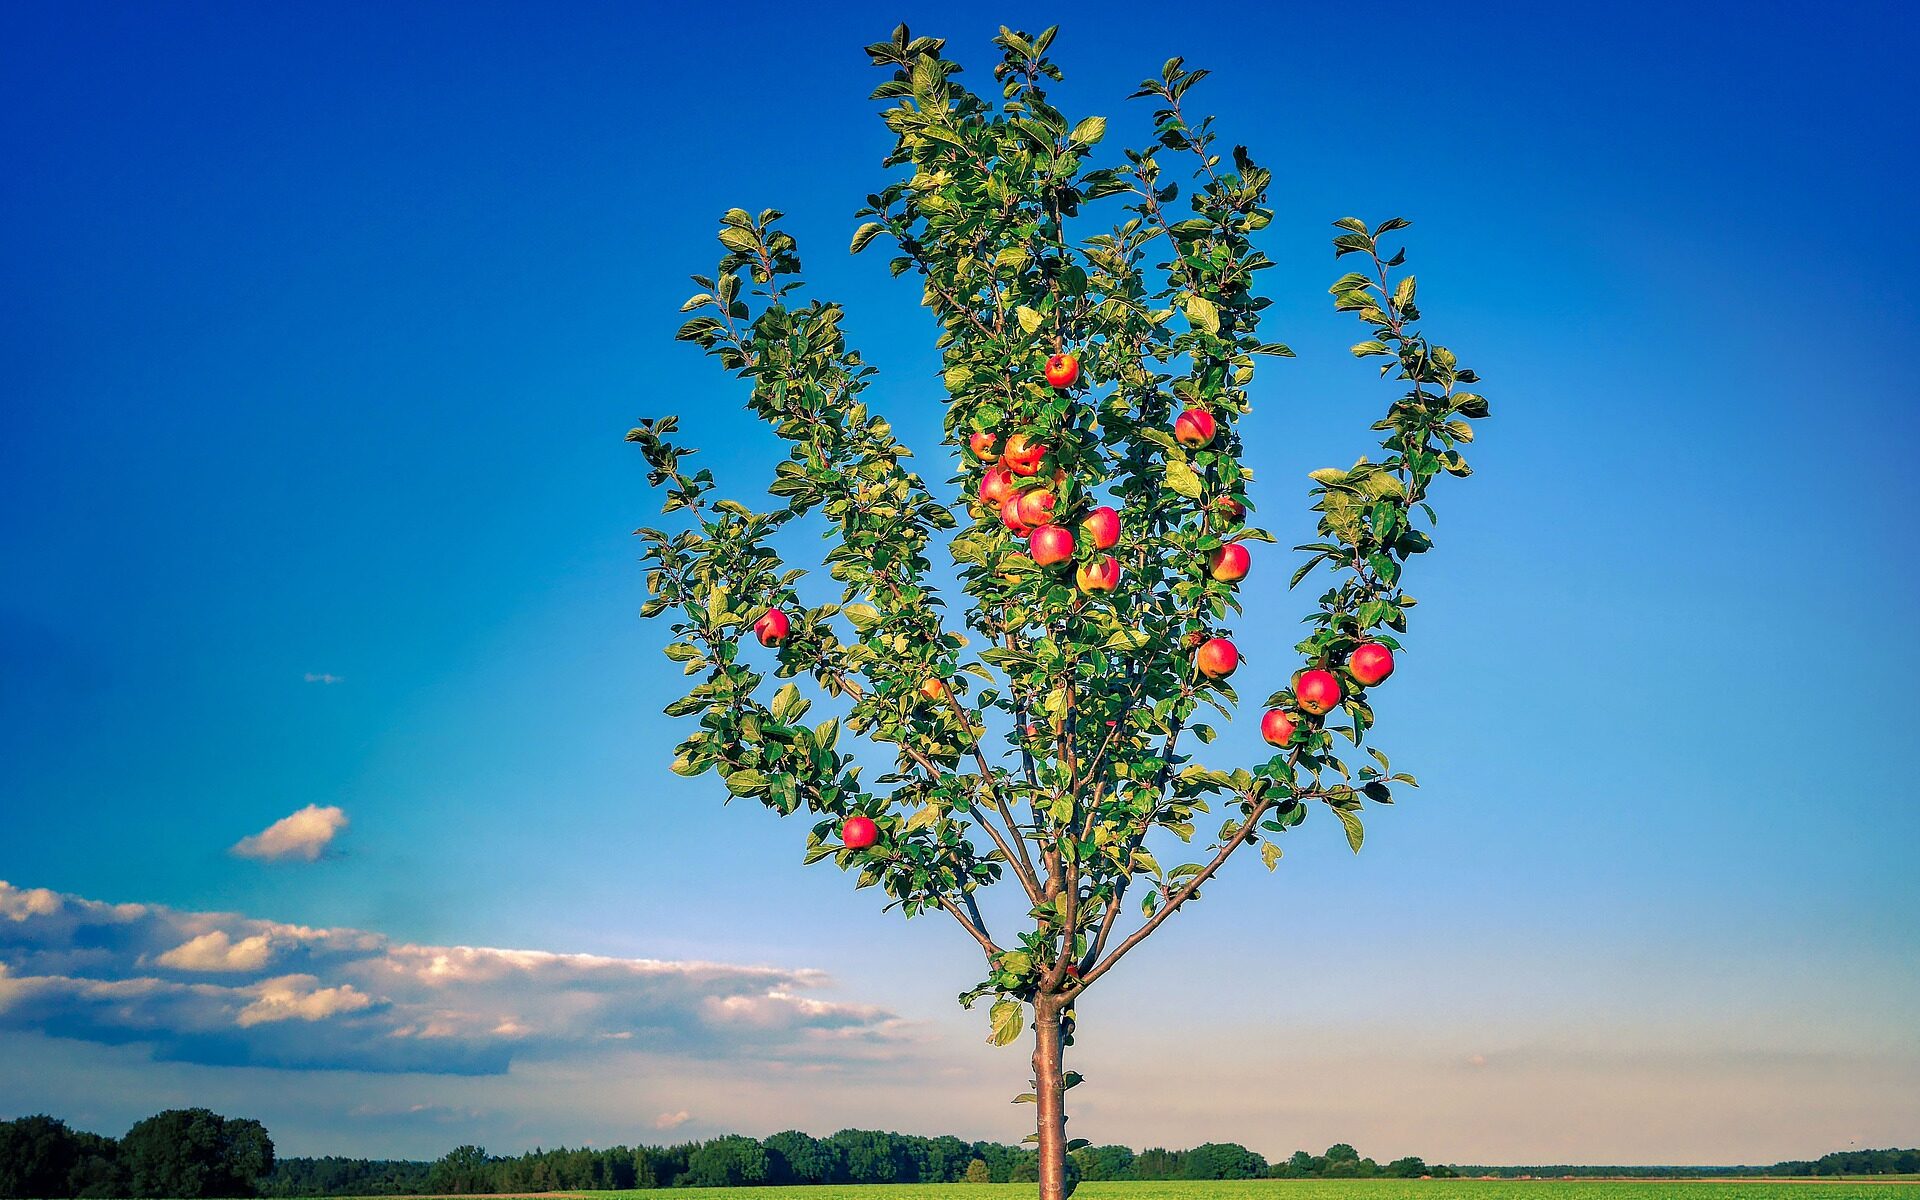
<point>1370,1189</point>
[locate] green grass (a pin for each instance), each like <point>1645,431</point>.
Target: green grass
<point>1370,1189</point>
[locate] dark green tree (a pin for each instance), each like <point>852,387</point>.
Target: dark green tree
<point>1223,1160</point>
<point>190,1152</point>
<point>1096,364</point>
<point>731,1161</point>
<point>463,1170</point>
<point>38,1155</point>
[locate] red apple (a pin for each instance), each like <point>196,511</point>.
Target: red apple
<point>1318,691</point>
<point>1278,726</point>
<point>1062,370</point>
<point>1051,544</point>
<point>933,688</point>
<point>1102,527</point>
<point>1102,575</point>
<point>772,627</point>
<point>1073,970</point>
<point>982,446</point>
<point>1229,563</point>
<point>1370,663</point>
<point>1036,506</point>
<point>1022,455</point>
<point>859,832</point>
<point>1217,658</point>
<point>1230,510</point>
<point>1010,515</point>
<point>1192,638</point>
<point>996,485</point>
<point>1194,429</point>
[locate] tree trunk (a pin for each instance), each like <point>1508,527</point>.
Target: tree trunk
<point>1050,1095</point>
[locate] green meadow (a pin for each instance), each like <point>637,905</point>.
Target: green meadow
<point>1883,1188</point>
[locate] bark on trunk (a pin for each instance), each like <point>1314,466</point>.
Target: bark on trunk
<point>1050,1094</point>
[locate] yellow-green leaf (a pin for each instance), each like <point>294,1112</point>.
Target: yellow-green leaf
<point>1007,1019</point>
<point>1181,478</point>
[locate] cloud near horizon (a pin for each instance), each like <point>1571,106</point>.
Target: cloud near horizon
<point>303,835</point>
<point>223,989</point>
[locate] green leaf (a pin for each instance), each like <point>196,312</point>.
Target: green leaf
<point>747,783</point>
<point>740,240</point>
<point>1270,854</point>
<point>1355,834</point>
<point>1029,319</point>
<point>1007,1018</point>
<point>862,616</point>
<point>1089,131</point>
<point>1181,478</point>
<point>866,233</point>
<point>1202,313</point>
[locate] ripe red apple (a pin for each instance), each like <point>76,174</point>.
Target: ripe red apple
<point>982,446</point>
<point>1073,970</point>
<point>1318,691</point>
<point>1010,515</point>
<point>1278,726</point>
<point>1102,575</point>
<point>933,688</point>
<point>859,832</point>
<point>1229,563</point>
<point>1036,506</point>
<point>1062,370</point>
<point>996,485</point>
<point>1194,429</point>
<point>772,627</point>
<point>1102,527</point>
<point>1022,455</point>
<point>1217,658</point>
<point>1051,544</point>
<point>1370,663</point>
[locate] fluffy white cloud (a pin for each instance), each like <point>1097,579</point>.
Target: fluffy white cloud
<point>216,950</point>
<point>302,835</point>
<point>299,997</point>
<point>220,988</point>
<point>672,1120</point>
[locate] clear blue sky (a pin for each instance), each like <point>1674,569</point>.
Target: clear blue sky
<point>322,325</point>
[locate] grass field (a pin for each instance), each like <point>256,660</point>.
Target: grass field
<point>1901,1188</point>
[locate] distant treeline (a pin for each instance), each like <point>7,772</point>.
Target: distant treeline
<point>850,1156</point>
<point>189,1153</point>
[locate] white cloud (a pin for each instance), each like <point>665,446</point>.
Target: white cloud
<point>215,950</point>
<point>303,835</point>
<point>264,993</point>
<point>672,1120</point>
<point>299,997</point>
<point>324,678</point>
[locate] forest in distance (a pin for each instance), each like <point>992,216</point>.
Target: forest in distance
<point>187,1153</point>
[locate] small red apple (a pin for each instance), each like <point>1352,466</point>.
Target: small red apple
<point>1102,527</point>
<point>772,627</point>
<point>996,485</point>
<point>1036,506</point>
<point>1217,658</point>
<point>1194,429</point>
<point>1102,575</point>
<point>1229,563</point>
<point>1192,638</point>
<point>1370,663</point>
<point>1062,370</point>
<point>933,688</point>
<point>1073,970</point>
<point>1230,510</point>
<point>859,832</point>
<point>1022,455</point>
<point>1051,544</point>
<point>1278,726</point>
<point>982,446</point>
<point>1010,515</point>
<point>1318,691</point>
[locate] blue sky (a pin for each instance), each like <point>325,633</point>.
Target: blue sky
<point>321,329</point>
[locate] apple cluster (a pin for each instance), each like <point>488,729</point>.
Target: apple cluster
<point>1317,691</point>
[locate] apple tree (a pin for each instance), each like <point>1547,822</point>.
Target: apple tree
<point>1035,707</point>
